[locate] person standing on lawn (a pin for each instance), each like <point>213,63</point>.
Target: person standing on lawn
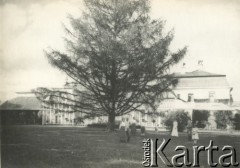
<point>189,130</point>
<point>124,130</point>
<point>127,129</point>
<point>143,130</point>
<point>175,129</point>
<point>195,136</point>
<point>133,127</point>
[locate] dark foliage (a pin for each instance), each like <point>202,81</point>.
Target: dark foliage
<point>200,118</point>
<point>223,118</point>
<point>20,117</point>
<point>180,116</point>
<point>101,125</point>
<point>237,121</point>
<point>78,120</point>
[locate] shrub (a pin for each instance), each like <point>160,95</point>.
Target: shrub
<point>200,117</point>
<point>138,127</point>
<point>100,125</point>
<point>78,120</point>
<point>180,116</point>
<point>236,121</point>
<point>223,118</point>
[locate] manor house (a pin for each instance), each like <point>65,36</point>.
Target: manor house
<point>195,92</point>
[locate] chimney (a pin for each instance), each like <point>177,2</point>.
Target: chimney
<point>200,65</point>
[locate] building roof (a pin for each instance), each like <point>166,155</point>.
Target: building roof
<point>201,79</point>
<point>197,73</point>
<point>173,104</point>
<point>203,82</point>
<point>211,106</point>
<point>21,103</point>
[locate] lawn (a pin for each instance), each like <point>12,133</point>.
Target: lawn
<point>63,147</point>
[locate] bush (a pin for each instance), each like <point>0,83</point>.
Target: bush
<point>223,118</point>
<point>236,121</point>
<point>200,117</point>
<point>78,120</point>
<point>138,127</point>
<point>100,125</point>
<point>180,116</point>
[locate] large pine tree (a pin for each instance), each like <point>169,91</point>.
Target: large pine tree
<point>118,57</point>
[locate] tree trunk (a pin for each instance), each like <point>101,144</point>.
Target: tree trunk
<point>111,122</point>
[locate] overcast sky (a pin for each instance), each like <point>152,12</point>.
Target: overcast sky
<point>210,29</point>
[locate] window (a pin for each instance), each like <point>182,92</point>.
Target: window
<point>178,96</point>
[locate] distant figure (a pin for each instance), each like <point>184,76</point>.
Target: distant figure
<point>143,130</point>
<point>229,128</point>
<point>189,130</point>
<point>195,136</point>
<point>124,131</point>
<point>127,129</point>
<point>175,129</point>
<point>133,128</point>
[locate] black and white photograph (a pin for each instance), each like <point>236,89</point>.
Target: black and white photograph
<point>119,83</point>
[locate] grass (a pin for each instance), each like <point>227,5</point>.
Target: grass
<point>63,147</point>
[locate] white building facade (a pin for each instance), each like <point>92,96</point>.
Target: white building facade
<point>195,91</point>
<point>205,92</point>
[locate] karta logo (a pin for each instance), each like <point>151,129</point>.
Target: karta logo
<point>152,152</point>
